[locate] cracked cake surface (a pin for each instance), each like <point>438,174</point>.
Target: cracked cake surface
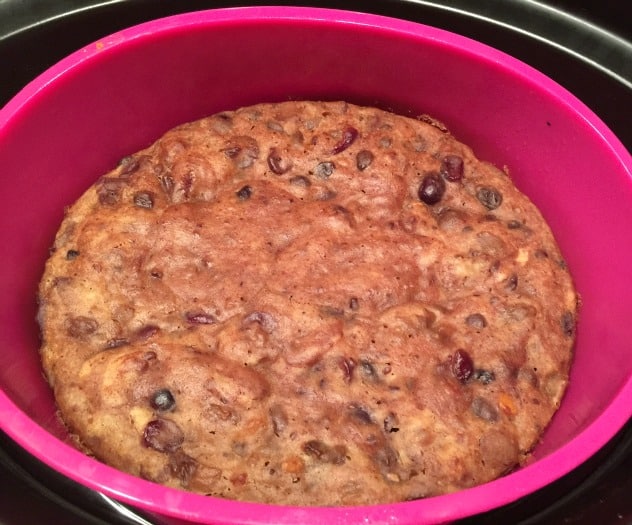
<point>307,303</point>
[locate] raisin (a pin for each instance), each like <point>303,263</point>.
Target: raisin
<point>431,189</point>
<point>337,454</point>
<point>163,400</point>
<point>325,169</point>
<point>452,168</point>
<point>278,418</point>
<point>243,151</point>
<point>347,365</point>
<point>346,214</point>
<point>368,370</point>
<point>274,126</point>
<point>167,183</point>
<point>239,479</point>
<point>512,282</point>
<point>415,496</point>
<point>200,318</point>
<point>300,180</point>
<point>144,199</point>
<point>391,423</point>
<point>72,254</point>
<point>244,193</point>
<point>476,320</point>
<point>364,158</point>
<point>349,136</point>
<point>278,164</point>
<point>568,324</point>
<point>116,342</point>
<point>163,435</point>
<point>315,448</point>
<point>146,332</point>
<point>354,304</point>
<point>491,198</point>
<point>484,376</point>
<point>325,453</point>
<point>331,311</point>
<point>433,122</point>
<point>265,320</point>
<point>109,190</point>
<point>182,466</point>
<point>81,326</point>
<point>360,414</point>
<point>483,409</point>
<point>386,459</point>
<point>462,366</point>
<point>128,165</point>
<point>514,224</point>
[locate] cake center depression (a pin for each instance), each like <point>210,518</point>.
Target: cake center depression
<point>307,303</point>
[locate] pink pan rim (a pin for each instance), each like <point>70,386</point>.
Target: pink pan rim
<point>154,498</point>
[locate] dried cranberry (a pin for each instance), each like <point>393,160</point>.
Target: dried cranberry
<point>348,137</point>
<point>491,198</point>
<point>452,168</point>
<point>462,365</point>
<point>163,400</point>
<point>431,189</point>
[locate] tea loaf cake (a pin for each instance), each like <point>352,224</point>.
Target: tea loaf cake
<point>307,303</point>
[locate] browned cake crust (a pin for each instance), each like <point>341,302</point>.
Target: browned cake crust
<point>307,303</point>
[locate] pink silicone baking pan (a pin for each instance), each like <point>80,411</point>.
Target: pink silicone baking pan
<point>117,95</point>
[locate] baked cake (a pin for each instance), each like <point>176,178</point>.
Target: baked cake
<point>307,303</point>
